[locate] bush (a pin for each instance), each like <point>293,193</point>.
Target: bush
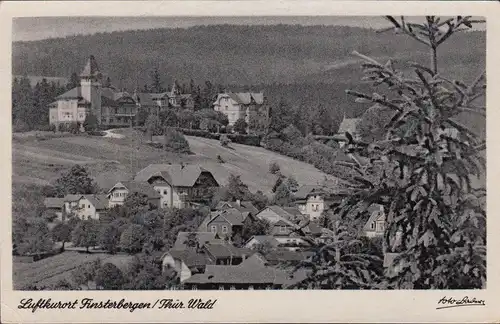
<point>174,141</point>
<point>19,126</point>
<point>240,126</point>
<point>224,140</point>
<point>274,168</point>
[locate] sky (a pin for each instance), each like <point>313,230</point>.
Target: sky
<point>36,28</point>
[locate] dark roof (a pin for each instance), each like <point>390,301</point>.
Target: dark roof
<point>232,215</point>
<point>91,69</point>
<point>226,250</point>
<point>190,257</point>
<point>243,206</point>
<point>263,239</point>
<point>201,237</point>
<point>220,274</point>
<point>53,202</point>
<point>286,255</point>
<point>283,214</point>
<point>108,102</point>
<point>246,98</point>
<point>139,187</point>
<point>175,174</point>
<point>74,93</point>
<point>100,202</point>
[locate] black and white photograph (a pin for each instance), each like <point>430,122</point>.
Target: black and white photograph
<point>249,153</point>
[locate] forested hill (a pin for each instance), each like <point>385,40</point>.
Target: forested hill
<point>230,54</point>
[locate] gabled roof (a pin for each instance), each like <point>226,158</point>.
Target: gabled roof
<point>349,125</point>
<point>91,69</point>
<point>50,202</point>
<point>75,93</point>
<point>100,202</point>
<point>201,237</point>
<point>283,214</point>
<point>190,257</point>
<point>375,213</point>
<point>231,215</point>
<point>262,239</point>
<point>137,186</point>
<point>244,98</point>
<point>243,206</point>
<point>225,250</point>
<point>175,174</point>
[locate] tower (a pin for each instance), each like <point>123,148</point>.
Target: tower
<point>90,83</point>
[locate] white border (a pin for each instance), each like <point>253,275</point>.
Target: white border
<point>260,306</point>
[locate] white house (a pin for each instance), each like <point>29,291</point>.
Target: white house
<point>238,105</point>
<point>83,206</point>
<point>310,200</point>
<point>119,192</point>
<point>375,226</point>
<point>185,262</point>
<point>179,185</point>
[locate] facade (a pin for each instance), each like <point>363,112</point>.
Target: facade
<point>109,106</point>
<point>375,226</point>
<point>179,185</point>
<point>158,102</point>
<point>119,192</point>
<point>82,206</point>
<point>185,262</point>
<point>311,201</point>
<point>224,223</point>
<point>238,105</point>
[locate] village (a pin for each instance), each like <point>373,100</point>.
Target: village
<point>224,186</point>
<point>237,245</point>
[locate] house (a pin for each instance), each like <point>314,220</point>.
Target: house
<point>253,273</point>
<point>91,206</point>
<point>375,226</point>
<point>186,262</point>
<point>119,192</point>
<point>238,105</point>
<point>242,206</point>
<point>257,241</point>
<point>202,238</point>
<point>83,206</point>
<point>158,102</point>
<point>225,253</point>
<point>54,205</point>
<point>348,125</point>
<point>310,200</point>
<point>109,106</point>
<point>224,222</point>
<point>179,185</point>
<point>283,220</point>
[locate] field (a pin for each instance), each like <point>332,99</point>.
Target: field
<point>50,271</point>
<point>41,161</point>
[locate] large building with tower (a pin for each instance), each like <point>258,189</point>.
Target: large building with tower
<point>111,107</point>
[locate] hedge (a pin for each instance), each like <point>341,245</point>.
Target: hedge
<point>252,140</point>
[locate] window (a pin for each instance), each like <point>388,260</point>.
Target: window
<point>88,206</point>
<point>282,229</point>
<point>213,228</point>
<point>372,225</point>
<point>224,229</point>
<point>221,287</point>
<point>314,207</point>
<point>165,191</point>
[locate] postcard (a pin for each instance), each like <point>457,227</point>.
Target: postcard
<point>249,161</point>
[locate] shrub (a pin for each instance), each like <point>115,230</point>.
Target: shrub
<point>174,141</point>
<point>240,126</point>
<point>109,277</point>
<point>19,126</point>
<point>274,168</point>
<point>224,140</point>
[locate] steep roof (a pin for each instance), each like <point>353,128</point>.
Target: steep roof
<point>189,257</point>
<point>283,214</point>
<point>349,125</point>
<point>262,239</point>
<point>108,102</point>
<point>375,212</point>
<point>100,202</point>
<point>50,202</point>
<point>231,215</point>
<point>138,186</point>
<point>225,250</point>
<point>74,93</point>
<point>175,174</point>
<point>243,206</point>
<point>244,98</point>
<point>91,69</point>
<point>201,237</point>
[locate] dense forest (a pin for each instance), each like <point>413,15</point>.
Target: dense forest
<point>308,66</point>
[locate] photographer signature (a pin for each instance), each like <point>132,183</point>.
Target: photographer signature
<point>449,302</point>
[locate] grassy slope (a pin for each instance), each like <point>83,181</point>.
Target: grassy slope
<point>110,160</point>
